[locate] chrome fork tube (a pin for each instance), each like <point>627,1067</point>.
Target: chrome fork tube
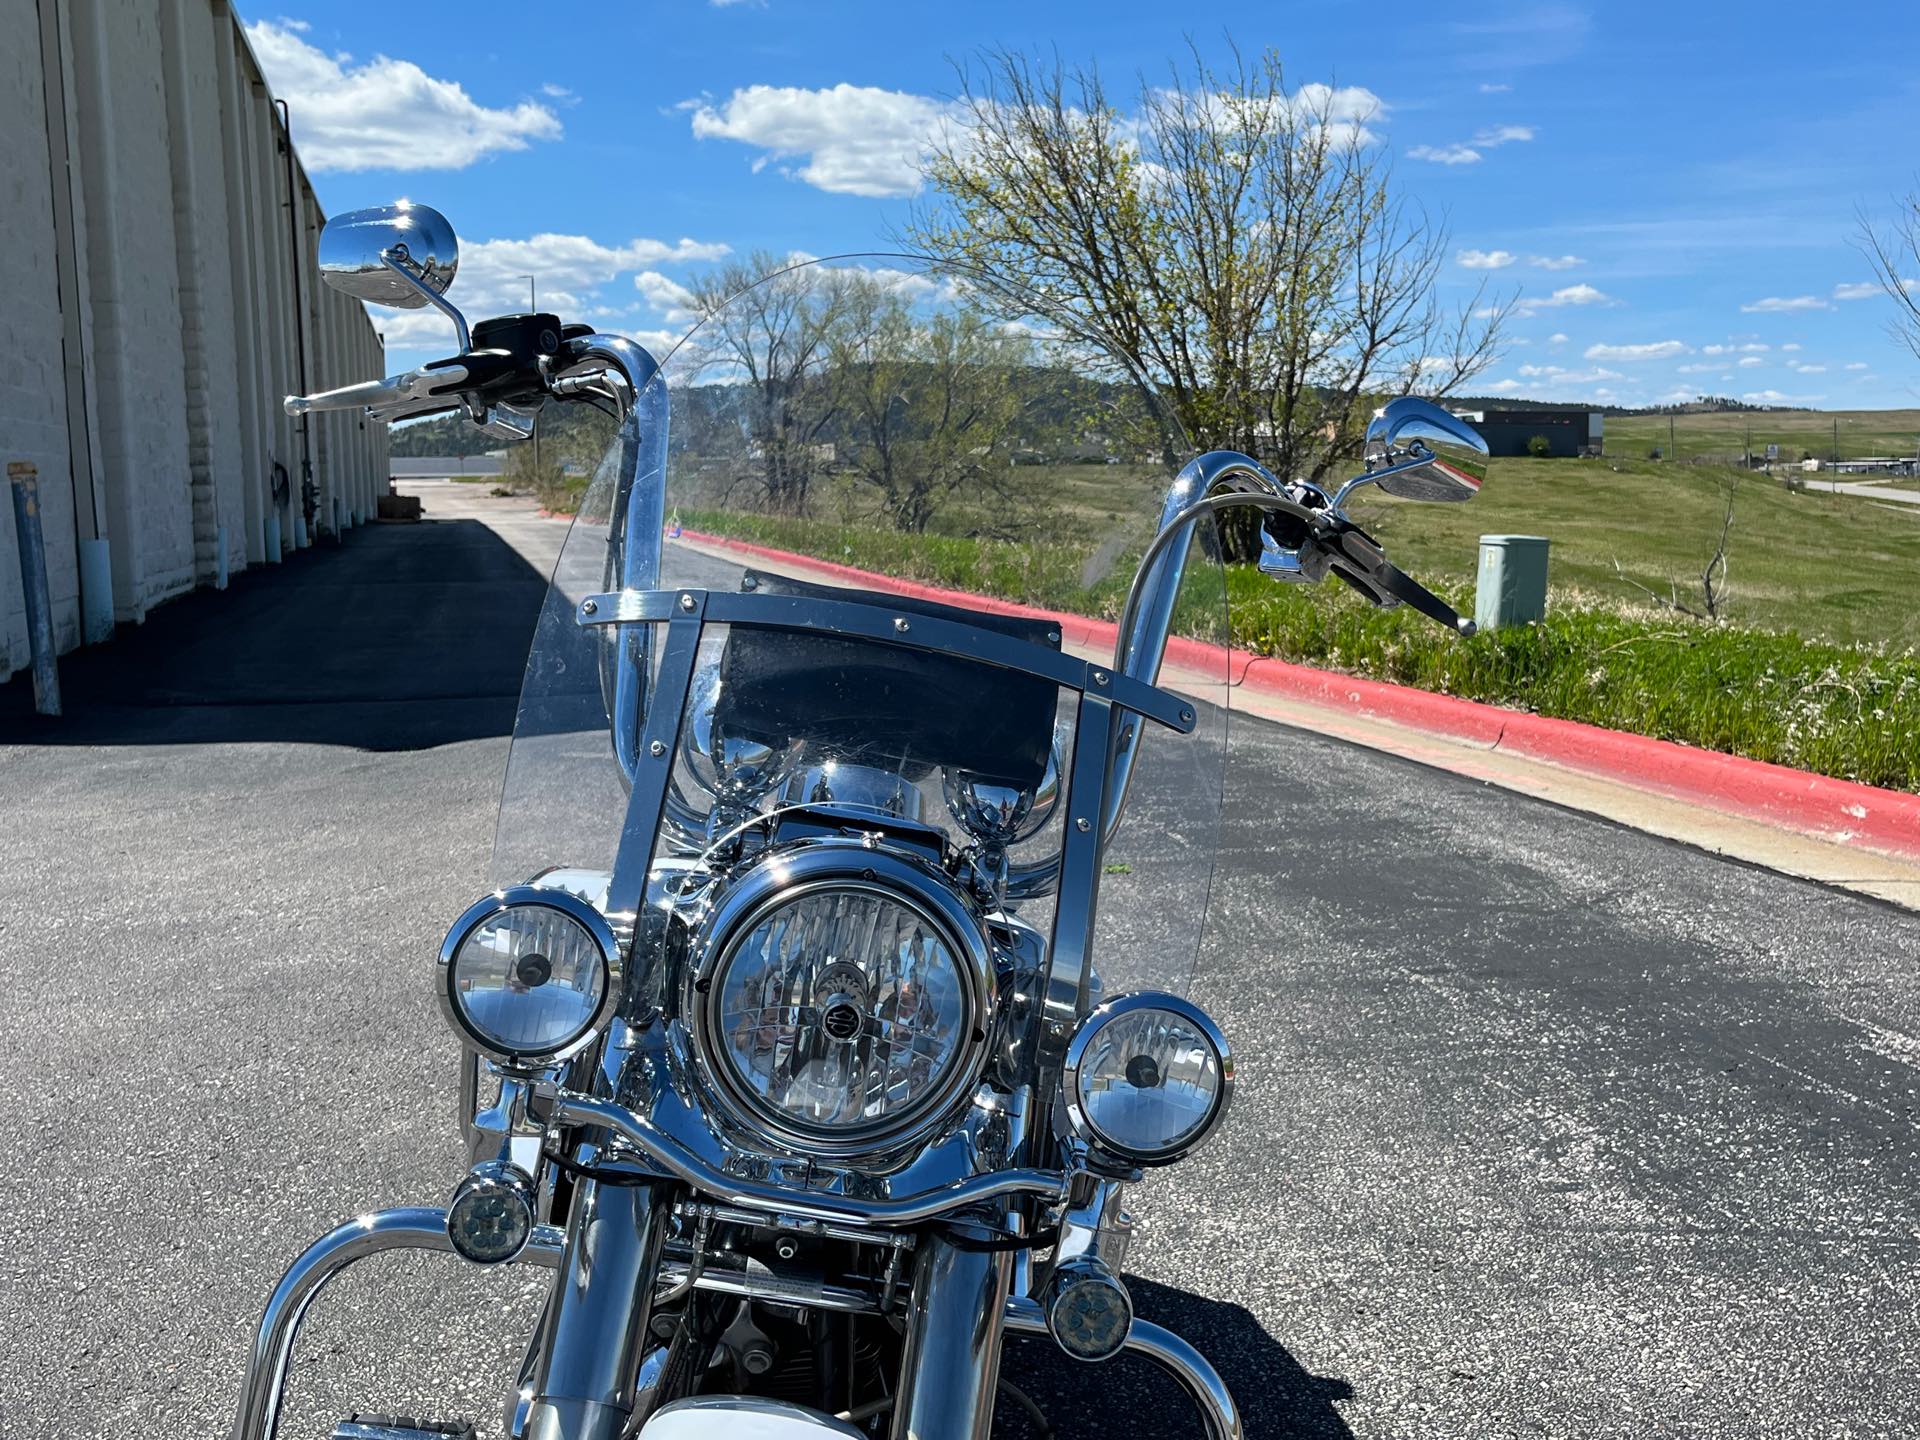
<point>584,1380</point>
<point>951,1365</point>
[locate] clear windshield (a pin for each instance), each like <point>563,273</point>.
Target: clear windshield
<point>882,430</point>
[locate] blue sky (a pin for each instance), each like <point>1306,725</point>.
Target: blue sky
<point>1671,187</point>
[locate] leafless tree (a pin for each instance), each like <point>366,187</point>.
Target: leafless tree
<point>1714,591</point>
<point>767,326</point>
<point>1893,251</point>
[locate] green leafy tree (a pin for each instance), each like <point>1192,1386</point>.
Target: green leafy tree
<point>1539,447</point>
<point>1236,249</point>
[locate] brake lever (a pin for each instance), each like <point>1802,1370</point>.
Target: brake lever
<point>1402,586</point>
<point>1358,558</point>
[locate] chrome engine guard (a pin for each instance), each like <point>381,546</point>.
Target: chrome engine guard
<point>425,1228</point>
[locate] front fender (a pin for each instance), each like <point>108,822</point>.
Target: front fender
<point>741,1417</point>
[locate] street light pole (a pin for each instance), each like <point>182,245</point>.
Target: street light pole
<point>533,307</point>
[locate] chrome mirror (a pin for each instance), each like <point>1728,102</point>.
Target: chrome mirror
<point>1418,451</point>
<point>402,254</point>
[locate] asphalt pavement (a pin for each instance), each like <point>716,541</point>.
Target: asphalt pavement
<point>1543,1126</point>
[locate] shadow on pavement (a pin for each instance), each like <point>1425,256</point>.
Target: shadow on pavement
<point>1278,1398</point>
<point>406,636</point>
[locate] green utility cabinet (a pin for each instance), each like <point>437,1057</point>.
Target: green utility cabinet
<point>1512,586</point>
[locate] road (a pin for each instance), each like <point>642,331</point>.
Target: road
<point>1543,1127</point>
<point>1891,493</point>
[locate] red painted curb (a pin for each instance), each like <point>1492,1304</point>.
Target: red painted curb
<point>1840,811</point>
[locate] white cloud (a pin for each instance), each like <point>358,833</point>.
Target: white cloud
<point>1341,114</point>
<point>567,271</point>
<point>864,140</point>
<point>1485,259</point>
<point>1695,369</point>
<point>1856,290</point>
<point>1470,152</point>
<point>1750,348</point>
<point>1567,295</point>
<point>1748,361</point>
<point>1811,369</point>
<point>1774,397</point>
<point>1557,338</point>
<point>668,298</point>
<point>1489,88</point>
<point>1555,262</point>
<point>1791,346</point>
<point>385,114</point>
<point>1503,387</point>
<point>1655,350</point>
<point>855,139</point>
<point>1562,375</point>
<point>1445,154</point>
<point>1855,365</point>
<point>1779,305</point>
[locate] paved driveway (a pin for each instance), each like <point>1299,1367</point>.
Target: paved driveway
<point>1543,1127</point>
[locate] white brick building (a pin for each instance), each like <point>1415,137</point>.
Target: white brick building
<point>148,325</point>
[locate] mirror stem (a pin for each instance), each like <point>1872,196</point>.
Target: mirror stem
<point>397,263</point>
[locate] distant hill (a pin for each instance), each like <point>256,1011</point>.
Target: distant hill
<point>1704,405</point>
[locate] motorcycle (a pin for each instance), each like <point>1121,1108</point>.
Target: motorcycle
<point>786,1043</point>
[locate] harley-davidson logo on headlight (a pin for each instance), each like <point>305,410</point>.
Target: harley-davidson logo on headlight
<point>841,1019</point>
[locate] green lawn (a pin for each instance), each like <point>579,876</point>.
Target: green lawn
<point>1830,567</point>
<point>1834,567</point>
<point>1724,435</point>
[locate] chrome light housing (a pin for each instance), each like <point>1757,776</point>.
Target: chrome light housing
<point>840,998</point>
<point>1147,1078</point>
<point>529,975</point>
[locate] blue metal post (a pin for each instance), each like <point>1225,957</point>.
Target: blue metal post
<point>33,581</point>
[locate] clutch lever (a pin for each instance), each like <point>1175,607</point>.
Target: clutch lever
<point>437,384</point>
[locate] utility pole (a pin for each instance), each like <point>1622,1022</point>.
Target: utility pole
<point>1836,443</point>
<point>1670,452</point>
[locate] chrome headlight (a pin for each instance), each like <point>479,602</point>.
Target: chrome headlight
<point>841,997</point>
<point>528,975</point>
<point>1147,1078</point>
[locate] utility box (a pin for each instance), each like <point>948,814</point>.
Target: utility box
<point>1512,584</point>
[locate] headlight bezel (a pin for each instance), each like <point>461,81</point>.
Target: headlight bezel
<point>574,908</point>
<point>1083,1037</point>
<point>822,865</point>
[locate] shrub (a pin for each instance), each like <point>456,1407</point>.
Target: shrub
<point>1539,447</point>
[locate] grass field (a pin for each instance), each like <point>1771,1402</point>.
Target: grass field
<point>1726,435</point>
<point>1831,567</point>
<point>1843,710</point>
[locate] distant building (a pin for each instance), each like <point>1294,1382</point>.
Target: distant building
<point>1567,432</point>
